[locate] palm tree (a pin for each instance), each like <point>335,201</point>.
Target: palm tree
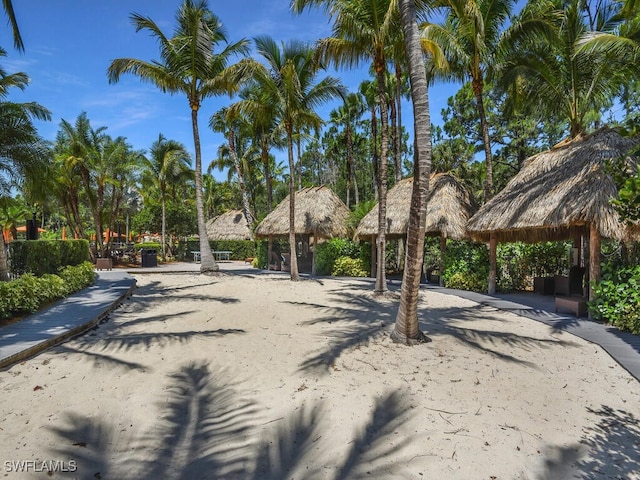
<point>23,154</point>
<point>231,123</point>
<point>469,39</point>
<point>288,80</point>
<point>7,5</point>
<point>406,328</point>
<point>544,67</point>
<point>168,159</point>
<point>361,32</point>
<point>350,112</point>
<point>189,65</point>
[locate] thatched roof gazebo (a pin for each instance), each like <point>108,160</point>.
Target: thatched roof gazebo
<point>563,193</point>
<point>231,225</point>
<point>449,207</point>
<point>319,213</point>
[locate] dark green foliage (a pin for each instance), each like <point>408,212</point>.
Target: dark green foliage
<point>518,263</point>
<point>466,266</point>
<point>618,297</point>
<point>46,256</point>
<point>29,293</point>
<point>328,252</point>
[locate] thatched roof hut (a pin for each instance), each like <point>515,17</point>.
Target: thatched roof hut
<point>319,211</point>
<point>558,194</point>
<point>562,193</point>
<point>231,225</point>
<point>448,210</point>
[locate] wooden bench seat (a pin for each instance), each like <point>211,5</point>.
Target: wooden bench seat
<point>576,304</point>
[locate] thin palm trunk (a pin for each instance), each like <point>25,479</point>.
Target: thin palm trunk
<point>4,261</point>
<point>486,141</point>
<point>292,209</point>
<point>243,186</point>
<point>381,274</point>
<point>207,262</point>
<point>267,172</point>
<point>349,166</point>
<point>406,328</point>
<point>164,228</point>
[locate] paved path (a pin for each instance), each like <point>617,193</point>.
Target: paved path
<point>85,309</point>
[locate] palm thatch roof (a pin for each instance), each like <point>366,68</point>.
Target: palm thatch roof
<point>448,209</point>
<point>318,211</point>
<point>231,225</point>
<point>558,193</point>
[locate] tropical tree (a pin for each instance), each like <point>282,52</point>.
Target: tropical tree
<point>189,65</point>
<point>235,127</point>
<point>348,114</point>
<point>362,30</point>
<point>24,154</point>
<point>7,5</point>
<point>289,81</point>
<point>544,68</point>
<point>468,39</point>
<point>167,162</point>
<point>406,329</point>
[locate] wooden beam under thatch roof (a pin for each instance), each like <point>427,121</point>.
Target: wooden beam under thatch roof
<point>319,211</point>
<point>558,194</point>
<point>231,225</point>
<point>449,207</point>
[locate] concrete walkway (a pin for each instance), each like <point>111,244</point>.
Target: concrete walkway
<point>83,310</point>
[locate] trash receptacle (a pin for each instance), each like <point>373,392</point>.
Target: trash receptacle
<point>149,257</point>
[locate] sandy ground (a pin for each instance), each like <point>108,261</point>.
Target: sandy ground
<point>255,377</point>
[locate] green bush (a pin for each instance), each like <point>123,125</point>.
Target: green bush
<point>46,256</point>
<point>519,262</point>
<point>466,266</point>
<point>348,267</point>
<point>617,298</point>
<point>30,293</point>
<point>328,252</point>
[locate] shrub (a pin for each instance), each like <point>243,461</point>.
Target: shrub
<point>466,266</point>
<point>328,252</point>
<point>348,267</point>
<point>46,256</point>
<point>618,298</point>
<point>30,293</point>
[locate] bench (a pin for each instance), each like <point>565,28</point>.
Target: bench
<point>576,304</point>
<point>104,264</point>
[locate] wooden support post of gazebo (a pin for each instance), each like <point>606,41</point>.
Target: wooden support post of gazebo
<point>595,242</point>
<point>493,263</point>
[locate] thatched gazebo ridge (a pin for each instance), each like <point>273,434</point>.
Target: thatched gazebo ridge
<point>563,193</point>
<point>231,225</point>
<point>319,213</point>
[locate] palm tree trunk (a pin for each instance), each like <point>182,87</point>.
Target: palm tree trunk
<point>207,262</point>
<point>243,186</point>
<point>486,141</point>
<point>406,328</point>
<point>381,275</point>
<point>349,166</point>
<point>164,229</point>
<point>267,173</point>
<point>4,261</point>
<point>295,276</point>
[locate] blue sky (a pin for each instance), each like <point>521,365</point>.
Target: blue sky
<point>69,45</point>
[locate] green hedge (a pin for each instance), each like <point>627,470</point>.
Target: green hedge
<point>29,293</point>
<point>327,253</point>
<point>42,257</point>
<point>618,297</point>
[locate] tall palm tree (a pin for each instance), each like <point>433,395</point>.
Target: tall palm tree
<point>469,38</point>
<point>348,114</point>
<point>24,154</point>
<point>361,32</point>
<point>544,67</point>
<point>231,123</point>
<point>406,329</point>
<point>289,80</point>
<point>7,5</point>
<point>167,160</point>
<point>190,65</point>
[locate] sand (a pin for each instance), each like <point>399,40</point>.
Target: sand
<point>254,376</point>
